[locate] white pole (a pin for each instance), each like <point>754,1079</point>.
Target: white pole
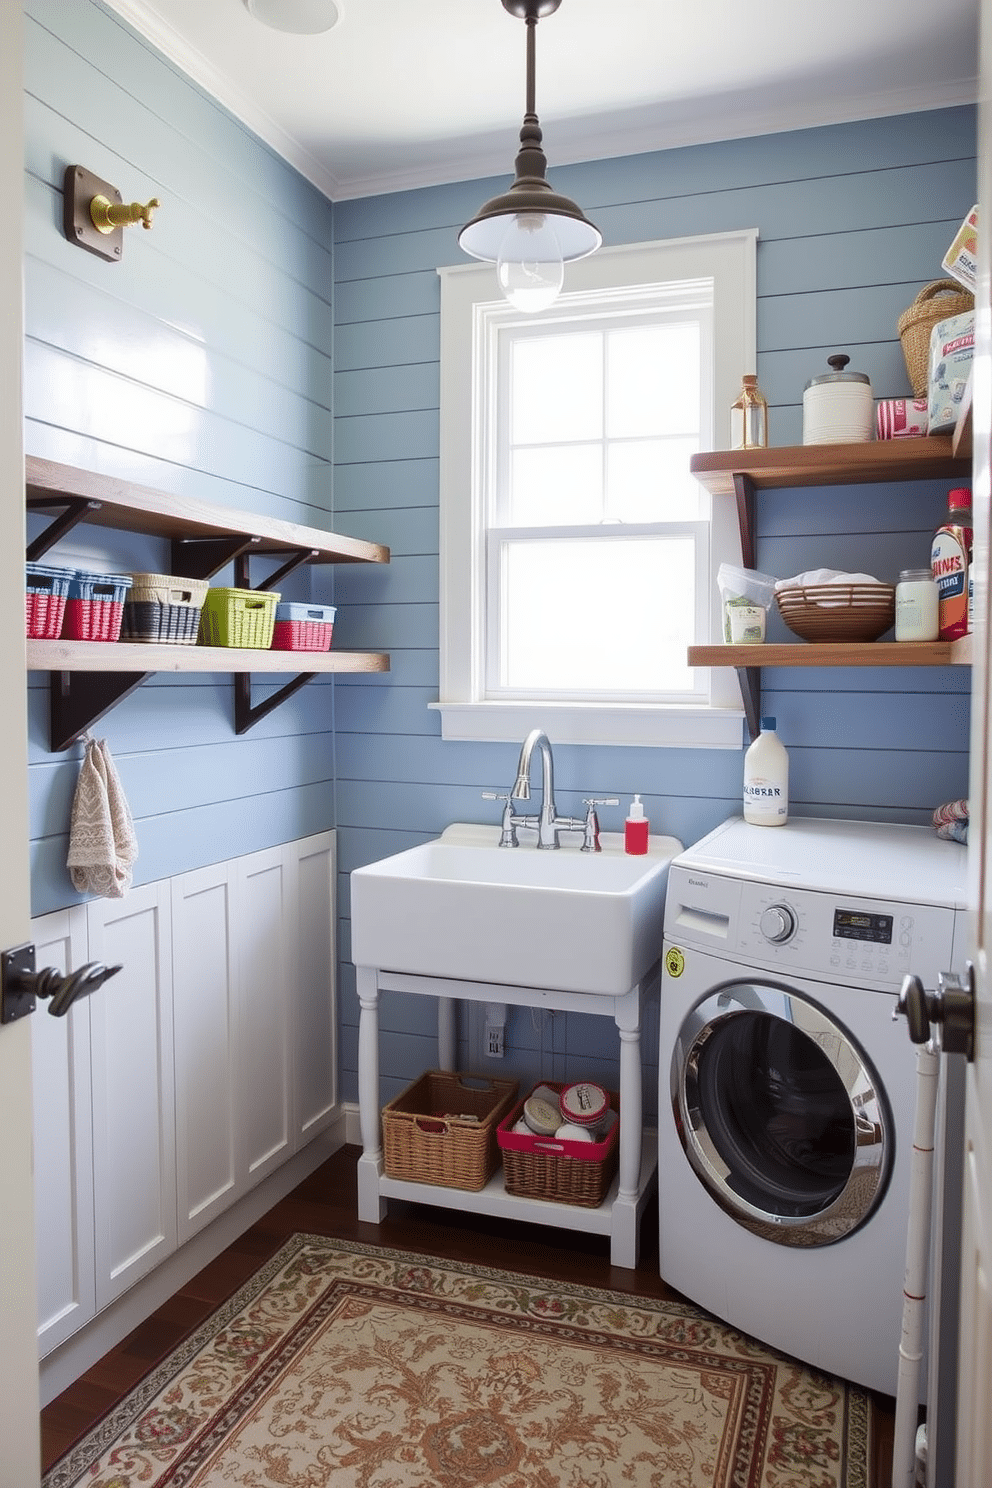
<point>917,1260</point>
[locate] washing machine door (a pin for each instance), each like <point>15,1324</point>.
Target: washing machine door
<point>780,1114</point>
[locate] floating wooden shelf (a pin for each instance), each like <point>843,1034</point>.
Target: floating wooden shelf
<point>89,677</point>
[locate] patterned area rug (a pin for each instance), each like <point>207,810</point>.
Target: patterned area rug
<point>355,1367</point>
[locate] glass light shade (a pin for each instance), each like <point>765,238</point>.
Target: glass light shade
<point>530,270</point>
<point>297,17</point>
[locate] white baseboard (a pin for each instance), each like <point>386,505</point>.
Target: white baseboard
<point>59,1369</point>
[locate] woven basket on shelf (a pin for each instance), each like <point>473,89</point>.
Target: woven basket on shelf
<point>934,303</point>
<point>838,612</point>
<point>561,1171</point>
<point>442,1129</point>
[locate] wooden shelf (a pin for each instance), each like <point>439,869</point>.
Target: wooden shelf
<point>124,656</point>
<point>89,677</point>
<point>836,654</point>
<point>830,464</point>
<point>129,508</point>
<point>742,473</point>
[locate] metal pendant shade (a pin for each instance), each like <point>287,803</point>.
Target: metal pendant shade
<point>530,200</point>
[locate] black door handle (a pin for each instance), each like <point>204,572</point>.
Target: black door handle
<point>21,985</point>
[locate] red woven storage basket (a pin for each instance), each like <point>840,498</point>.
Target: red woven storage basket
<point>565,1172</point>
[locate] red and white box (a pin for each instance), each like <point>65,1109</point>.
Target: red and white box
<point>901,418</point>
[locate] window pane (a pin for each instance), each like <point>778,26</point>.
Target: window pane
<point>556,388</point>
<point>649,481</point>
<point>653,380</point>
<point>591,615</point>
<point>556,487</point>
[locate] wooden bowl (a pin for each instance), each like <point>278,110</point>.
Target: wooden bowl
<point>838,612</point>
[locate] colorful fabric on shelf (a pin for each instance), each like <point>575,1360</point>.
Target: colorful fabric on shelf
<point>951,820</point>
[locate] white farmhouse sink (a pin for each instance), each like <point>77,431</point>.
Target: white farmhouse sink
<point>463,907</point>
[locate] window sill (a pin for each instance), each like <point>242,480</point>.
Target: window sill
<point>670,727</point>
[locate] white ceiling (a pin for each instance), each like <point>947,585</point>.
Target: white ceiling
<point>405,93</point>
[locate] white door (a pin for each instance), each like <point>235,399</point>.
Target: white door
<point>18,1338</point>
<point>974,1425</point>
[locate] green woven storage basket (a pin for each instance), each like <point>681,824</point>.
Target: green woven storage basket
<point>238,617</point>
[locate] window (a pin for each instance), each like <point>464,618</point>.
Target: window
<point>577,553</point>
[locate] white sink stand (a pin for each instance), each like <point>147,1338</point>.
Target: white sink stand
<point>619,1214</point>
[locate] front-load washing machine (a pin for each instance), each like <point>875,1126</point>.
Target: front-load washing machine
<point>787,1090</point>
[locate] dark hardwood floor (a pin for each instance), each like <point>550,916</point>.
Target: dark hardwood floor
<point>326,1204</point>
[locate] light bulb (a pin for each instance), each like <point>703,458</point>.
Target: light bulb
<point>529,268</point>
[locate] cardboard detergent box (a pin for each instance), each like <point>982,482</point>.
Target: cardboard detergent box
<point>960,258</point>
<point>952,348</point>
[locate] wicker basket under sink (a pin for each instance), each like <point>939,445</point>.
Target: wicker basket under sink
<point>838,612</point>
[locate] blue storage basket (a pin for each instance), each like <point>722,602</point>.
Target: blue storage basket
<point>319,614</point>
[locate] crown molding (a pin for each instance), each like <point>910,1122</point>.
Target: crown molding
<point>692,122</point>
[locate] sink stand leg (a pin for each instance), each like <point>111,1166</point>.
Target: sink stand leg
<point>624,1235</point>
<point>371,1205</point>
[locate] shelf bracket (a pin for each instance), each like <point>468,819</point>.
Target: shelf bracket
<point>744,492</point>
<point>78,699</point>
<point>75,510</point>
<point>246,716</point>
<point>750,680</point>
<point>202,557</point>
<point>300,556</point>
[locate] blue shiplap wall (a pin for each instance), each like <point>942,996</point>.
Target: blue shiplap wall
<point>201,365</point>
<point>853,220</point>
<point>259,339</point>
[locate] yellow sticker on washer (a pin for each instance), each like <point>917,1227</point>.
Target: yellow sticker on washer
<point>674,961</point>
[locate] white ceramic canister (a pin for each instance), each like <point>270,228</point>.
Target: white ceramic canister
<point>916,606</point>
<point>838,407</point>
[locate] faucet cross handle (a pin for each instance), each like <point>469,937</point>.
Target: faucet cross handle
<point>508,828</point>
<point>590,841</point>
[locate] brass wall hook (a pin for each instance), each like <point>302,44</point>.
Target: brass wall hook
<point>94,214</point>
<point>107,215</point>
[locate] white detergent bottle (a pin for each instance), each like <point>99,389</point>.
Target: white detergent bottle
<point>766,779</point>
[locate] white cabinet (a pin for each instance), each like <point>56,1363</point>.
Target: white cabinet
<point>205,1017</point>
<point>63,1144</point>
<point>315,1086</point>
<point>131,1051</point>
<point>189,1077</point>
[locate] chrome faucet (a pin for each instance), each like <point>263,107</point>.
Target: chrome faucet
<point>547,822</point>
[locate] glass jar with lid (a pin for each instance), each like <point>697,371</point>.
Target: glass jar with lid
<point>749,417</point>
<point>916,606</point>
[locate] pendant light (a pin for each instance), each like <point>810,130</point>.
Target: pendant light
<point>530,232</point>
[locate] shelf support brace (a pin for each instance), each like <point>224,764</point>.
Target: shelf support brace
<point>246,716</point>
<point>299,557</point>
<point>750,680</point>
<point>78,699</point>
<point>75,510</point>
<point>201,557</point>
<point>744,492</point>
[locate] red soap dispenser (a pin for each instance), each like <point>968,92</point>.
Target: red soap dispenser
<point>635,829</point>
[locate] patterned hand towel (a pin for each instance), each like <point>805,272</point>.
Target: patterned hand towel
<point>102,844</point>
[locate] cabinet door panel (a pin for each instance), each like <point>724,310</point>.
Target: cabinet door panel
<point>134,1171</point>
<point>204,968</point>
<point>316,1017</point>
<point>268,976</point>
<point>63,1146</point>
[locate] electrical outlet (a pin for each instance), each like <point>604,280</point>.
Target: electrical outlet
<point>494,1042</point>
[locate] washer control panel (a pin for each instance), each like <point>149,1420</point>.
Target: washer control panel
<point>839,937</point>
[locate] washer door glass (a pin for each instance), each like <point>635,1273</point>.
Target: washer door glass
<point>780,1114</point>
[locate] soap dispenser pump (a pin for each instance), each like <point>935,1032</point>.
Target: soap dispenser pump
<point>635,829</point>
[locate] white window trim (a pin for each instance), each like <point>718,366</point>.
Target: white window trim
<point>468,300</point>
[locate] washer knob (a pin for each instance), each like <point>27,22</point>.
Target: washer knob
<point>777,923</point>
